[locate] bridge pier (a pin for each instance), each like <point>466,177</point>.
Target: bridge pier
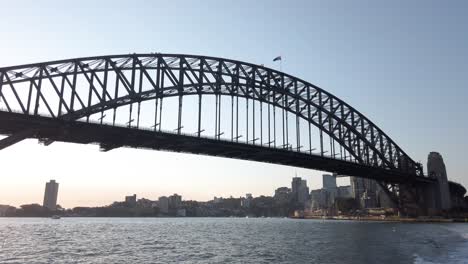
<point>417,199</point>
<point>428,198</point>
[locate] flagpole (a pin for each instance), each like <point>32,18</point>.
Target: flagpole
<point>280,59</point>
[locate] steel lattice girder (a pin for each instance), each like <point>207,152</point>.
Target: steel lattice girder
<point>180,75</point>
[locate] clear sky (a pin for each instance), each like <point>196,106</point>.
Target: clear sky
<point>403,64</point>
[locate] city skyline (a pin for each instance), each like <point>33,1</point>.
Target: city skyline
<point>155,196</point>
<point>368,71</point>
<point>297,187</point>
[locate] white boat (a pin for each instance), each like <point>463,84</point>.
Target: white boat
<point>55,217</point>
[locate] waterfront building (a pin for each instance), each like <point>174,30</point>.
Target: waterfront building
<point>145,203</point>
<point>163,204</point>
<point>325,198</point>
<point>174,201</point>
<point>4,209</point>
<point>181,212</point>
<point>282,195</point>
<point>233,203</point>
<point>217,200</point>
<point>50,195</point>
<point>322,199</point>
<point>282,191</point>
<point>247,201</point>
<point>131,200</point>
<point>299,190</point>
<point>317,199</point>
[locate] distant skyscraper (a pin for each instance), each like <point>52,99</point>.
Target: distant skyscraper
<point>303,195</point>
<point>329,181</point>
<point>295,184</point>
<point>299,190</point>
<point>50,195</point>
<point>163,204</point>
<point>175,201</point>
<point>436,168</point>
<point>325,198</point>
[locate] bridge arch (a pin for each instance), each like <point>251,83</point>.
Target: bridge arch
<point>55,88</point>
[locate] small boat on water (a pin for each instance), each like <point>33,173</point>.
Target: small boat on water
<point>55,217</point>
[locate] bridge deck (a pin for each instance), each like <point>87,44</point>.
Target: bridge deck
<point>109,137</point>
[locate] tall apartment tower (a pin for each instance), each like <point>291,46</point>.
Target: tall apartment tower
<point>296,184</point>
<point>329,181</point>
<point>299,190</point>
<point>436,168</point>
<point>50,195</point>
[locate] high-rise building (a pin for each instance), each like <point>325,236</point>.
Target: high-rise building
<point>282,196</point>
<point>50,195</point>
<point>322,198</point>
<point>163,204</point>
<point>174,201</point>
<point>317,199</point>
<point>329,190</point>
<point>299,190</point>
<point>303,194</point>
<point>436,168</point>
<point>295,184</point>
<point>329,181</point>
<point>282,193</point>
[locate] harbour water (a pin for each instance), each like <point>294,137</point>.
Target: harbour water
<point>228,240</point>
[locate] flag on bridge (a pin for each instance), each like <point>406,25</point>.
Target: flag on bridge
<point>277,58</point>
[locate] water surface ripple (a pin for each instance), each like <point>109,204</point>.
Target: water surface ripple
<point>227,240</point>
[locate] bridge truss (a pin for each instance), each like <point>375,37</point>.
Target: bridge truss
<point>243,104</point>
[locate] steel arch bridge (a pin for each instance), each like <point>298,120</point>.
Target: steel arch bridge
<point>259,113</point>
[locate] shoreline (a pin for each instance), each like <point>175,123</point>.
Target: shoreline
<point>334,218</point>
<point>386,219</point>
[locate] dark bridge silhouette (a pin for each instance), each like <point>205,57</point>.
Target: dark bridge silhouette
<point>201,105</point>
